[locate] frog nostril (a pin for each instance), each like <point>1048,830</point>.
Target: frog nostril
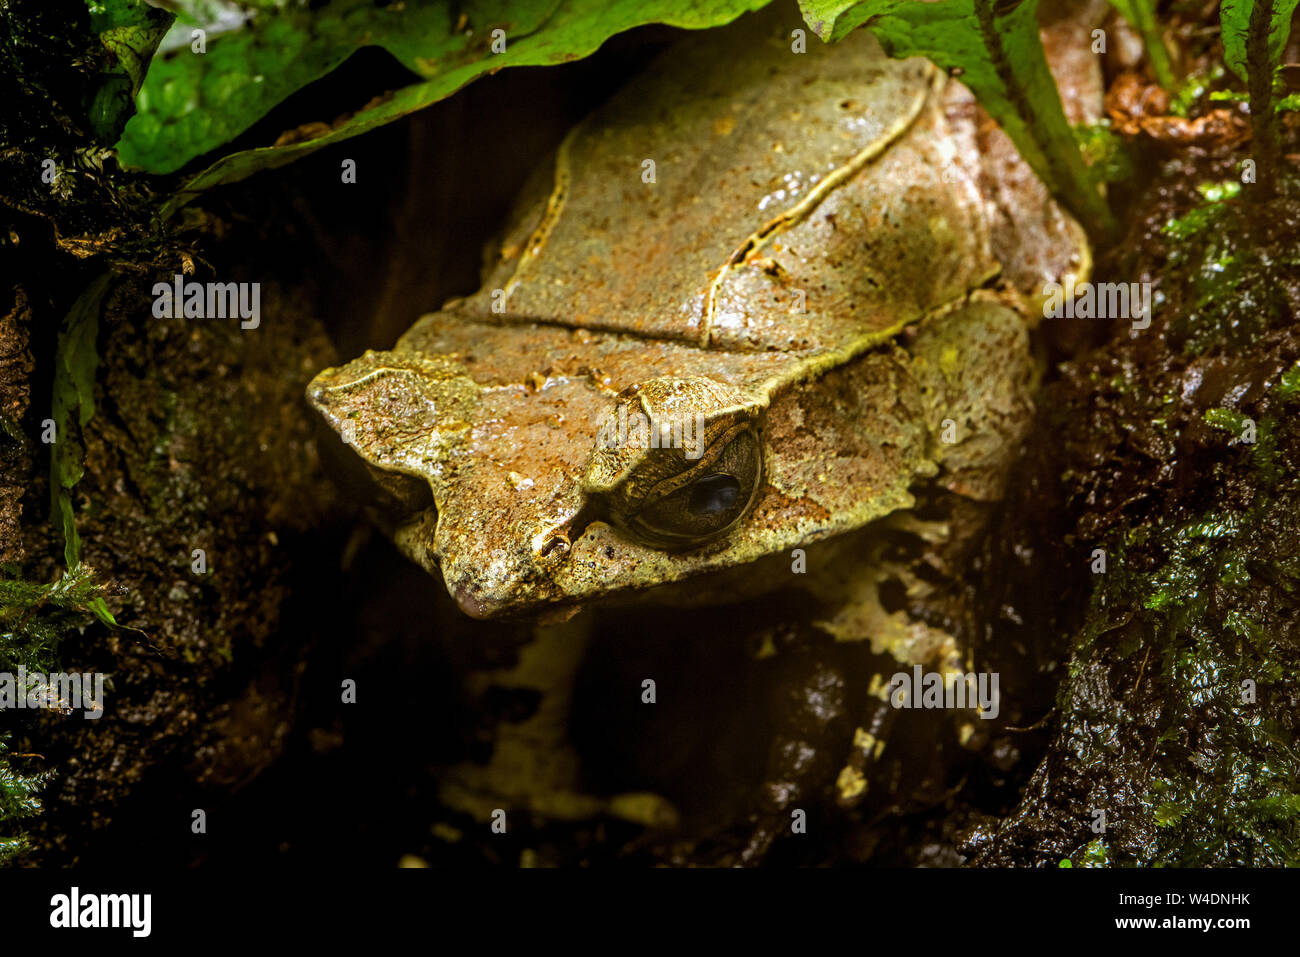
<point>554,542</point>
<point>561,538</point>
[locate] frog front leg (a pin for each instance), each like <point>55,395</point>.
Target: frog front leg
<point>533,768</point>
<point>814,701</point>
<point>974,368</point>
<point>810,709</point>
<point>898,644</point>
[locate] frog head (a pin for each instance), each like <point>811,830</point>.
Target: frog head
<point>567,466</point>
<point>556,488</point>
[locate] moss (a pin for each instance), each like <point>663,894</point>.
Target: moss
<point>1226,772</point>
<point>1170,813</point>
<point>1191,224</point>
<point>1107,154</point>
<point>1094,854</point>
<point>1232,278</point>
<point>35,617</point>
<point>1288,385</point>
<point>18,800</point>
<point>1217,192</point>
<point>1194,88</point>
<point>12,428</point>
<point>1227,420</point>
<point>1177,714</point>
<point>1220,673</point>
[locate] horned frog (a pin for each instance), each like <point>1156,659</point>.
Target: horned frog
<point>761,298</point>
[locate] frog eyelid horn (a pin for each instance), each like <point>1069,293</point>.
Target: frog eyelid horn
<point>678,461</point>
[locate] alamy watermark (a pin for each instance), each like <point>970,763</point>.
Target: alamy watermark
<point>1099,300</point>
<point>921,689</point>
<point>59,691</point>
<point>639,431</point>
<point>128,911</point>
<point>179,299</point>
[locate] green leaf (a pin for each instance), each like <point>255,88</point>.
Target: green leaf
<point>995,43</point>
<point>1141,15</point>
<point>193,103</point>
<point>130,31</point>
<point>1255,33</point>
<point>76,359</point>
<point>1271,21</point>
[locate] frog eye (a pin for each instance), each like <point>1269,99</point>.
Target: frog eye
<point>677,462</point>
<point>701,503</point>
